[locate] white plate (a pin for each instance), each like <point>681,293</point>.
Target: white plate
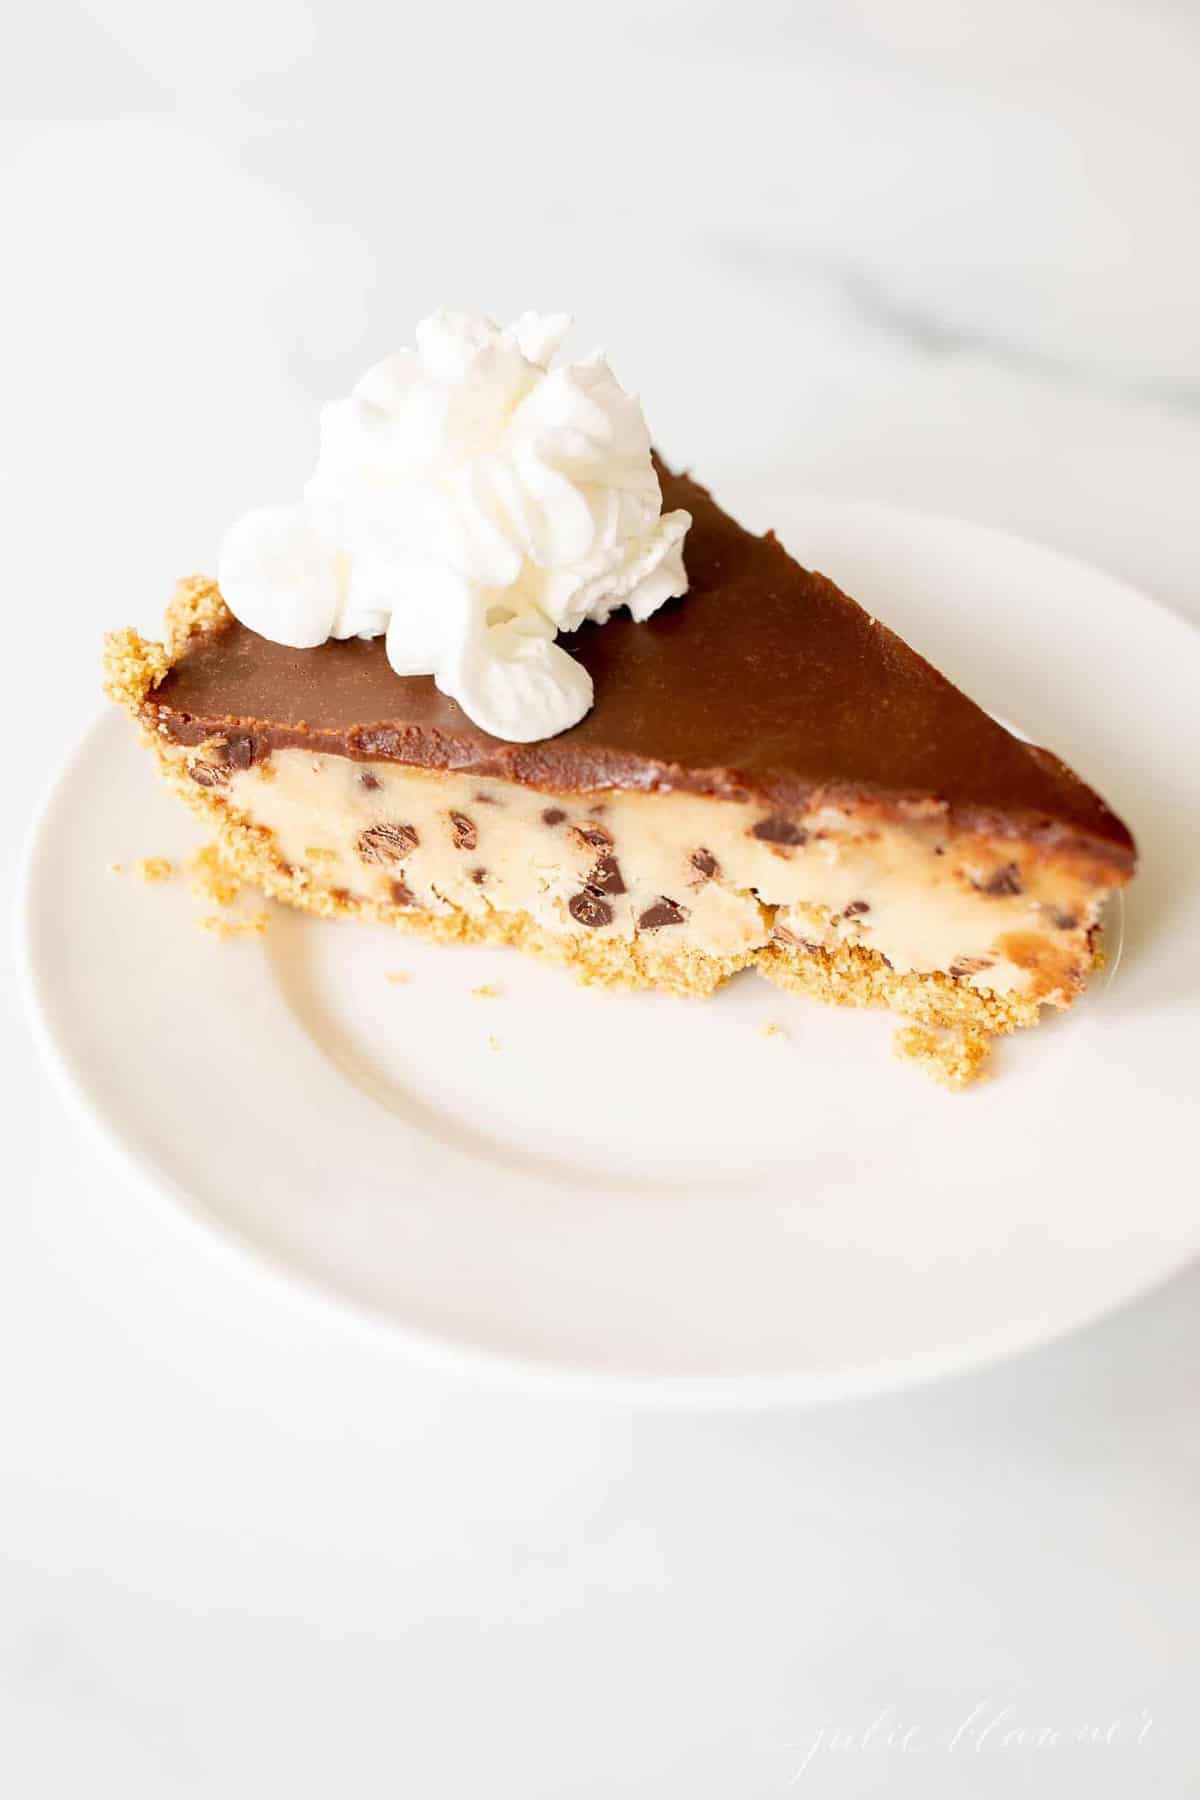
<point>643,1196</point>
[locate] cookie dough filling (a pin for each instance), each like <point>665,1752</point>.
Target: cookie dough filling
<point>708,881</point>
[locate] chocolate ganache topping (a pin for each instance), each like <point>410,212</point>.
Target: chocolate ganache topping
<point>763,683</point>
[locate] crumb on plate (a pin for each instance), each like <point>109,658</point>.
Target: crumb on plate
<point>152,869</point>
<point>224,929</point>
<point>952,1055</point>
<point>214,879</point>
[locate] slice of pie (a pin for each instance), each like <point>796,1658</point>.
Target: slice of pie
<point>768,778</point>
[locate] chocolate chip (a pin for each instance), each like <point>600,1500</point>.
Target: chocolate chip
<point>237,750</point>
<point>479,876</point>
<point>209,775</point>
<point>589,909</point>
<point>386,843</point>
<point>970,965</point>
<point>855,908</point>
<point>705,864</point>
<point>466,837</point>
<point>782,935</point>
<point>553,815</point>
<point>604,877</point>
<point>1005,881</point>
<point>486,799</point>
<point>775,829</point>
<point>1065,921</point>
<point>663,912</point>
<point>401,895</point>
<point>369,781</point>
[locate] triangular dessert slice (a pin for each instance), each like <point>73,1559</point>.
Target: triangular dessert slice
<point>768,777</point>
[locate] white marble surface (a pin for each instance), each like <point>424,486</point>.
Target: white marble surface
<point>929,251</point>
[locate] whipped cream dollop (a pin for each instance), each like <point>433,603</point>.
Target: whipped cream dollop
<point>471,502</point>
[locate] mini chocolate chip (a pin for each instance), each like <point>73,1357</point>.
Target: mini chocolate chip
<point>386,843</point>
<point>1065,921</point>
<point>970,965</point>
<point>486,799</point>
<point>855,908</point>
<point>1005,881</point>
<point>479,876</point>
<point>401,895</point>
<point>589,909</point>
<point>705,864</point>
<point>466,837</point>
<point>237,750</point>
<point>208,775</point>
<point>782,935</point>
<point>593,836</point>
<point>775,829</point>
<point>663,912</point>
<point>553,815</point>
<point>604,877</point>
<point>369,781</point>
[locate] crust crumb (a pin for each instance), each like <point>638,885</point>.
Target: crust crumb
<point>398,977</point>
<point>152,869</point>
<point>194,610</point>
<point>114,868</point>
<point>214,879</point>
<point>132,666</point>
<point>493,1043</point>
<point>224,929</point>
<point>488,991</point>
<point>771,1029</point>
<point>954,1055</point>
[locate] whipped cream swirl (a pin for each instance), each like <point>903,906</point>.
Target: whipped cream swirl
<point>471,502</point>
